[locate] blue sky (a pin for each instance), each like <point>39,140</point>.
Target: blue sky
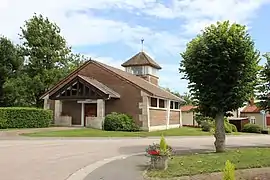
<point>110,30</point>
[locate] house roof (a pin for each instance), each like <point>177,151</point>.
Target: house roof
<point>187,108</point>
<point>251,109</point>
<point>141,59</point>
<point>100,86</point>
<point>150,88</point>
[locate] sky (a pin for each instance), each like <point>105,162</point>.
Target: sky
<point>110,31</point>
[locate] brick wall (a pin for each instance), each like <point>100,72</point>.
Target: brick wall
<point>158,117</point>
<point>150,78</point>
<point>73,109</point>
<point>130,95</point>
<point>174,117</point>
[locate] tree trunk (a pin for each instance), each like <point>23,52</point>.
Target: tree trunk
<point>220,132</point>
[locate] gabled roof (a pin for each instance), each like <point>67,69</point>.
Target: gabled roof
<point>148,87</point>
<point>251,109</point>
<point>187,108</point>
<point>90,81</point>
<point>100,86</point>
<point>141,59</point>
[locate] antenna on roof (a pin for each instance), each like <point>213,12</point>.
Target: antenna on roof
<point>142,40</point>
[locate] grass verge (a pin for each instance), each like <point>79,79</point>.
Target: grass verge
<point>87,132</point>
<point>188,165</point>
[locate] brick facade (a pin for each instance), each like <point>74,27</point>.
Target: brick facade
<point>150,78</point>
<point>130,95</point>
<point>174,117</point>
<point>73,109</point>
<point>158,117</point>
<point>133,99</point>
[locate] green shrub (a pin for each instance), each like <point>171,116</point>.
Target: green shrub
<point>163,144</point>
<point>21,117</point>
<point>119,122</point>
<point>228,127</point>
<point>200,119</point>
<point>234,128</point>
<point>207,126</point>
<point>229,171</point>
<point>252,128</point>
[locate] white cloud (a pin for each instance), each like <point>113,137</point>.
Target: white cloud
<point>106,60</point>
<point>88,29</point>
<point>199,13</point>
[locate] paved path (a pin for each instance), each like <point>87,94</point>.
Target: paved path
<point>58,159</point>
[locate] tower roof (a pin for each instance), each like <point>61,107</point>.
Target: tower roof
<point>141,59</point>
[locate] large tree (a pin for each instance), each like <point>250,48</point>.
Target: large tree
<point>221,65</point>
<point>10,62</point>
<point>48,59</point>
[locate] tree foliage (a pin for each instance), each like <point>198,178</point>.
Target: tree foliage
<point>10,63</point>
<point>46,51</point>
<point>188,99</point>
<point>221,65</point>
<point>264,87</point>
<point>48,59</point>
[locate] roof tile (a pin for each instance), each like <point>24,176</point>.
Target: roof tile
<point>187,108</point>
<point>251,109</point>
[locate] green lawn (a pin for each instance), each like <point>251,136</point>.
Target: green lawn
<point>214,162</point>
<point>87,132</point>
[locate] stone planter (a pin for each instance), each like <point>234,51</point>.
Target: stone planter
<point>159,162</point>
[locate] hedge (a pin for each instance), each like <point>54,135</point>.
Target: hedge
<point>21,117</point>
<point>252,128</point>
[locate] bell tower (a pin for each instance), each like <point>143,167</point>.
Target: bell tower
<point>144,66</point>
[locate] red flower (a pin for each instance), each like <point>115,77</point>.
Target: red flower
<point>153,152</point>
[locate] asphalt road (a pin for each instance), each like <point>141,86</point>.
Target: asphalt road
<point>58,159</point>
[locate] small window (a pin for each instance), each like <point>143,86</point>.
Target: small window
<point>176,105</point>
<point>252,120</point>
<point>161,103</point>
<point>153,102</point>
<point>138,70</point>
<point>171,105</point>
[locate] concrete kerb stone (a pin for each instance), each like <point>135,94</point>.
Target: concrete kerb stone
<point>83,172</point>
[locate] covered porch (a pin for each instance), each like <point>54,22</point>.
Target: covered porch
<point>81,102</point>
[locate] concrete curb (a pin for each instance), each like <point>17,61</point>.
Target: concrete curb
<point>83,172</point>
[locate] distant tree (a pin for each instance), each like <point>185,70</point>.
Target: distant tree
<point>173,92</point>
<point>10,63</point>
<point>188,99</point>
<point>48,59</point>
<point>263,88</point>
<point>221,65</point>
